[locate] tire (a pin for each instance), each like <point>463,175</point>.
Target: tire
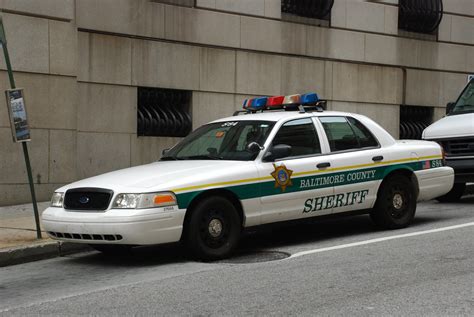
<point>112,249</point>
<point>213,229</point>
<point>396,203</point>
<point>454,194</point>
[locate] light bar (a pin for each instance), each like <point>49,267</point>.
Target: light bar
<point>308,99</point>
<point>275,102</point>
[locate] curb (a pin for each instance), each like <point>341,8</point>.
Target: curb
<point>40,251</point>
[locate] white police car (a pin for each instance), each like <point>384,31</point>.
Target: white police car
<point>253,169</point>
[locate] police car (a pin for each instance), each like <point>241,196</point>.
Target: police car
<point>261,166</point>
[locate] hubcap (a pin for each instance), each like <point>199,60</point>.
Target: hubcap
<point>397,201</point>
<point>215,228</point>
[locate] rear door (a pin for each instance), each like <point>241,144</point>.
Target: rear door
<point>355,156</point>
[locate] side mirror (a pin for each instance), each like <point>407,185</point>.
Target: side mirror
<point>163,153</point>
<point>253,147</point>
<point>450,107</point>
<point>277,152</point>
<point>212,151</point>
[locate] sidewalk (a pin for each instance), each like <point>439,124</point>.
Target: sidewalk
<point>18,243</point>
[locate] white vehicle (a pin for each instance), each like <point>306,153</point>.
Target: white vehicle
<point>249,170</point>
<point>455,133</point>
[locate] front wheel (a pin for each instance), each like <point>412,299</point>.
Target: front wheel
<point>396,203</point>
<point>213,230</point>
<point>454,194</point>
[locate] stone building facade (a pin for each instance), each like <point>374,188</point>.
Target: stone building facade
<point>82,63</point>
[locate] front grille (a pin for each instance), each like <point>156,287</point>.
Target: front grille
<point>87,199</point>
<point>83,236</point>
<point>459,147</point>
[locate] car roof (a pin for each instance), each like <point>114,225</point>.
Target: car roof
<point>384,138</point>
<point>281,115</point>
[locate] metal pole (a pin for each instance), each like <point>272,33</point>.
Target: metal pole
<point>25,146</point>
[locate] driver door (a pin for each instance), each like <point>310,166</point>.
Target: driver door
<point>290,193</point>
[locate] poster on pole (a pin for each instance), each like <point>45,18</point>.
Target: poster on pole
<point>18,119</point>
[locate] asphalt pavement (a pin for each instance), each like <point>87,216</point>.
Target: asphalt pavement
<point>335,267</point>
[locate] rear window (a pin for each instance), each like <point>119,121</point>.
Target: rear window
<point>347,133</point>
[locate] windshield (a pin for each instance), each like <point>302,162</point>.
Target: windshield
<point>221,141</point>
<point>465,103</point>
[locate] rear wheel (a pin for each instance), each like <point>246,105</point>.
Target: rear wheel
<point>454,194</point>
<point>213,230</point>
<point>396,203</point>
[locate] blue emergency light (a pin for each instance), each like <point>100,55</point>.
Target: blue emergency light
<point>255,104</point>
<point>308,99</point>
<point>259,103</point>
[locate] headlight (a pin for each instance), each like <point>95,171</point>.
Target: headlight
<point>140,201</point>
<point>57,200</point>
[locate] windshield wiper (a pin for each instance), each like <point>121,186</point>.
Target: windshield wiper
<point>202,157</point>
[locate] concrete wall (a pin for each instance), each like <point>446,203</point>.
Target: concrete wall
<point>81,62</point>
<point>42,41</point>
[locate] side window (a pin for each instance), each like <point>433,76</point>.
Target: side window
<point>346,134</point>
<point>301,135</point>
<point>340,134</point>
<point>366,139</point>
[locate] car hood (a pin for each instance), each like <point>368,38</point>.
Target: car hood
<point>167,175</point>
<point>451,127</point>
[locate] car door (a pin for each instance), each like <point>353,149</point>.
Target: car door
<point>355,155</point>
<point>290,194</point>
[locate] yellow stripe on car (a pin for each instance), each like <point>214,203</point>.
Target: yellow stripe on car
<point>342,168</point>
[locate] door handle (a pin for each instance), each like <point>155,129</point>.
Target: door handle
<point>377,158</point>
<point>323,165</point>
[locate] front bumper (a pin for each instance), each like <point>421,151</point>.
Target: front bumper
<point>115,226</point>
<point>463,169</point>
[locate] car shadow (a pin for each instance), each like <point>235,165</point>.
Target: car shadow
<point>253,241</point>
<point>312,231</point>
<point>135,257</point>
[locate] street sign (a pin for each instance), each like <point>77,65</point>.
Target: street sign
<point>18,118</point>
<point>17,110</point>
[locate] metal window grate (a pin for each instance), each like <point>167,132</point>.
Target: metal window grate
<point>316,9</point>
<point>163,112</point>
<point>422,16</point>
<point>413,120</point>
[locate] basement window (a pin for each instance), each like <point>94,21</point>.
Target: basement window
<point>420,16</point>
<point>163,112</point>
<point>317,12</point>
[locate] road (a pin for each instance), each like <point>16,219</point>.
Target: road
<point>337,267</point>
